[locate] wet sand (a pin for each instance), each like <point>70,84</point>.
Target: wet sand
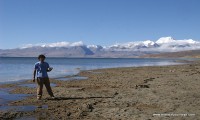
<point>141,93</point>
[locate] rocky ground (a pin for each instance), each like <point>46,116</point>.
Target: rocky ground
<point>141,93</point>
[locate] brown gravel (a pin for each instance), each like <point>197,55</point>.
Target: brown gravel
<point>119,94</point>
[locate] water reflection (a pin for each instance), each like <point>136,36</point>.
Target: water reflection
<point>6,97</point>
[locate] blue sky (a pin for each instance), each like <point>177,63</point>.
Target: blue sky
<point>102,22</point>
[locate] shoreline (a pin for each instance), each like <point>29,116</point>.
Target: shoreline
<point>99,90</point>
<point>176,61</point>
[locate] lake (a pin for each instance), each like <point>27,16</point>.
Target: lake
<point>19,68</point>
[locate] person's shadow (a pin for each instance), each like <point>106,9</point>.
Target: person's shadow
<point>74,98</point>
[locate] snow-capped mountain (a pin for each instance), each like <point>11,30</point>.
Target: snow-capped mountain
<point>164,44</point>
<point>168,44</point>
<point>167,40</point>
<point>134,46</point>
<point>95,48</point>
<point>79,49</point>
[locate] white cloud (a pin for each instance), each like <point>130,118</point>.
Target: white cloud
<point>57,44</point>
<point>80,43</point>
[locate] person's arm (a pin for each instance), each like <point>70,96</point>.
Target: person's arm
<point>34,73</point>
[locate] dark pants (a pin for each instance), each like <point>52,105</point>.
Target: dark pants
<point>46,82</point>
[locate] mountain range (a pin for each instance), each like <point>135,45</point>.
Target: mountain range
<point>124,50</point>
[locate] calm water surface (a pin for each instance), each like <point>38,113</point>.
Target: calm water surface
<point>15,69</point>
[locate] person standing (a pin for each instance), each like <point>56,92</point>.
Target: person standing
<point>40,71</point>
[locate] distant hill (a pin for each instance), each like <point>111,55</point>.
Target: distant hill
<point>186,54</point>
<point>74,51</point>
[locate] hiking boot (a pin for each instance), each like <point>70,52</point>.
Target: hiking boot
<point>52,97</point>
<point>39,97</point>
